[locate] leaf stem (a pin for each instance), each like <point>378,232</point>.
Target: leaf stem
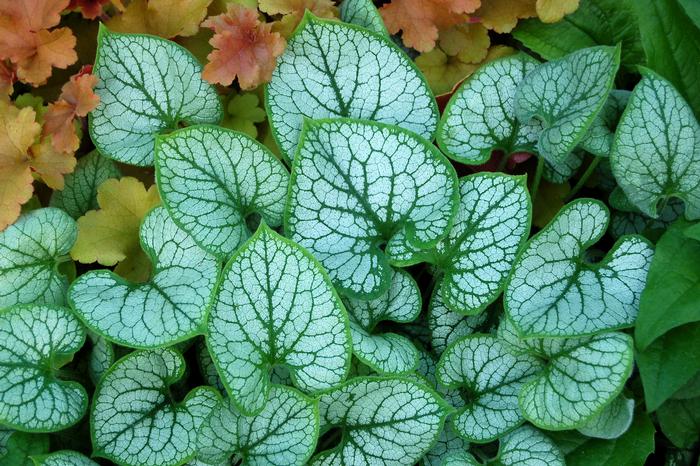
<point>503,162</point>
<point>538,177</point>
<point>582,180</point>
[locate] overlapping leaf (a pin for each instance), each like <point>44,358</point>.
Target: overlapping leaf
<point>358,185</point>
<point>170,307</point>
<point>331,69</point>
<point>147,86</point>
<point>211,180</point>
<point>35,342</point>
<point>276,306</point>
<point>63,458</point>
<point>134,419</point>
<point>447,326</point>
<point>554,290</point>
<point>363,13</point>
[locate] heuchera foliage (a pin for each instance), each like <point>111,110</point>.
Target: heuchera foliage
<point>248,232</point>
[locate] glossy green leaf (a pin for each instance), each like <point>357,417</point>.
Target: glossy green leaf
<point>284,433</point>
<point>135,420</point>
<point>680,421</point>
<point>30,252</point>
<point>480,116</point>
<point>656,153</point>
<point>363,13</point>
<point>599,138</point>
<point>566,95</point>
<point>612,421</point>
<point>555,291</point>
<point>171,307</point>
<point>673,288</point>
<point>35,342</point>
<point>385,421</point>
<point>63,458</point>
<point>491,377</point>
<point>19,447</point>
<point>358,185</point>
<point>79,193</point>
<point>276,306</point>
<point>331,69</point>
<point>147,86</point>
<point>525,446</point>
<point>212,180</point>
<point>447,326</point>
<point>386,352</point>
<point>668,363</point>
<point>671,43</point>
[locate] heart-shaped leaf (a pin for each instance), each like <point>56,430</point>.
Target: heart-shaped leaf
<point>385,421</point>
<point>171,307</point>
<point>283,434</point>
<point>147,85</point>
<point>79,193</point>
<point>480,116</point>
<point>612,421</point>
<point>566,95</point>
<point>331,69</point>
<point>276,306</point>
<point>599,138</point>
<point>35,342</point>
<point>63,458</point>
<point>30,251</point>
<point>490,377</point>
<point>211,179</point>
<point>656,152</point>
<point>135,420</point>
<point>363,13</point>
<point>581,376</point>
<point>446,326</point>
<point>555,291</point>
<point>386,352</point>
<point>525,446</point>
<point>357,185</point>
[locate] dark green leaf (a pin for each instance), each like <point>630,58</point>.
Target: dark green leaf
<point>680,421</point>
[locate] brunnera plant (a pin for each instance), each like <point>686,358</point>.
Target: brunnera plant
<point>356,289</point>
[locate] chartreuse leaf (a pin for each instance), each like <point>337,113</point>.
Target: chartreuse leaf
<point>79,193</point>
<point>656,152</point>
<point>35,342</point>
<point>566,95</point>
<point>480,116</point>
<point>385,421</point>
<point>211,179</point>
<point>612,421</point>
<point>171,307</point>
<point>363,13</point>
<point>599,138</point>
<point>525,446</point>
<point>30,252</point>
<point>447,326</point>
<point>147,86</point>
<point>331,69</point>
<point>63,458</point>
<point>579,378</point>
<point>134,419</point>
<point>284,433</point>
<point>276,306</point>
<point>357,185</point>
<point>386,352</point>
<point>490,377</point>
<point>555,291</point>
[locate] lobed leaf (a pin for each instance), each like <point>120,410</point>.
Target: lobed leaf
<point>147,86</point>
<point>135,421</point>
<point>357,185</point>
<point>169,308</point>
<point>213,180</point>
<point>331,69</point>
<point>555,291</point>
<point>30,252</point>
<point>276,306</point>
<point>35,342</point>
